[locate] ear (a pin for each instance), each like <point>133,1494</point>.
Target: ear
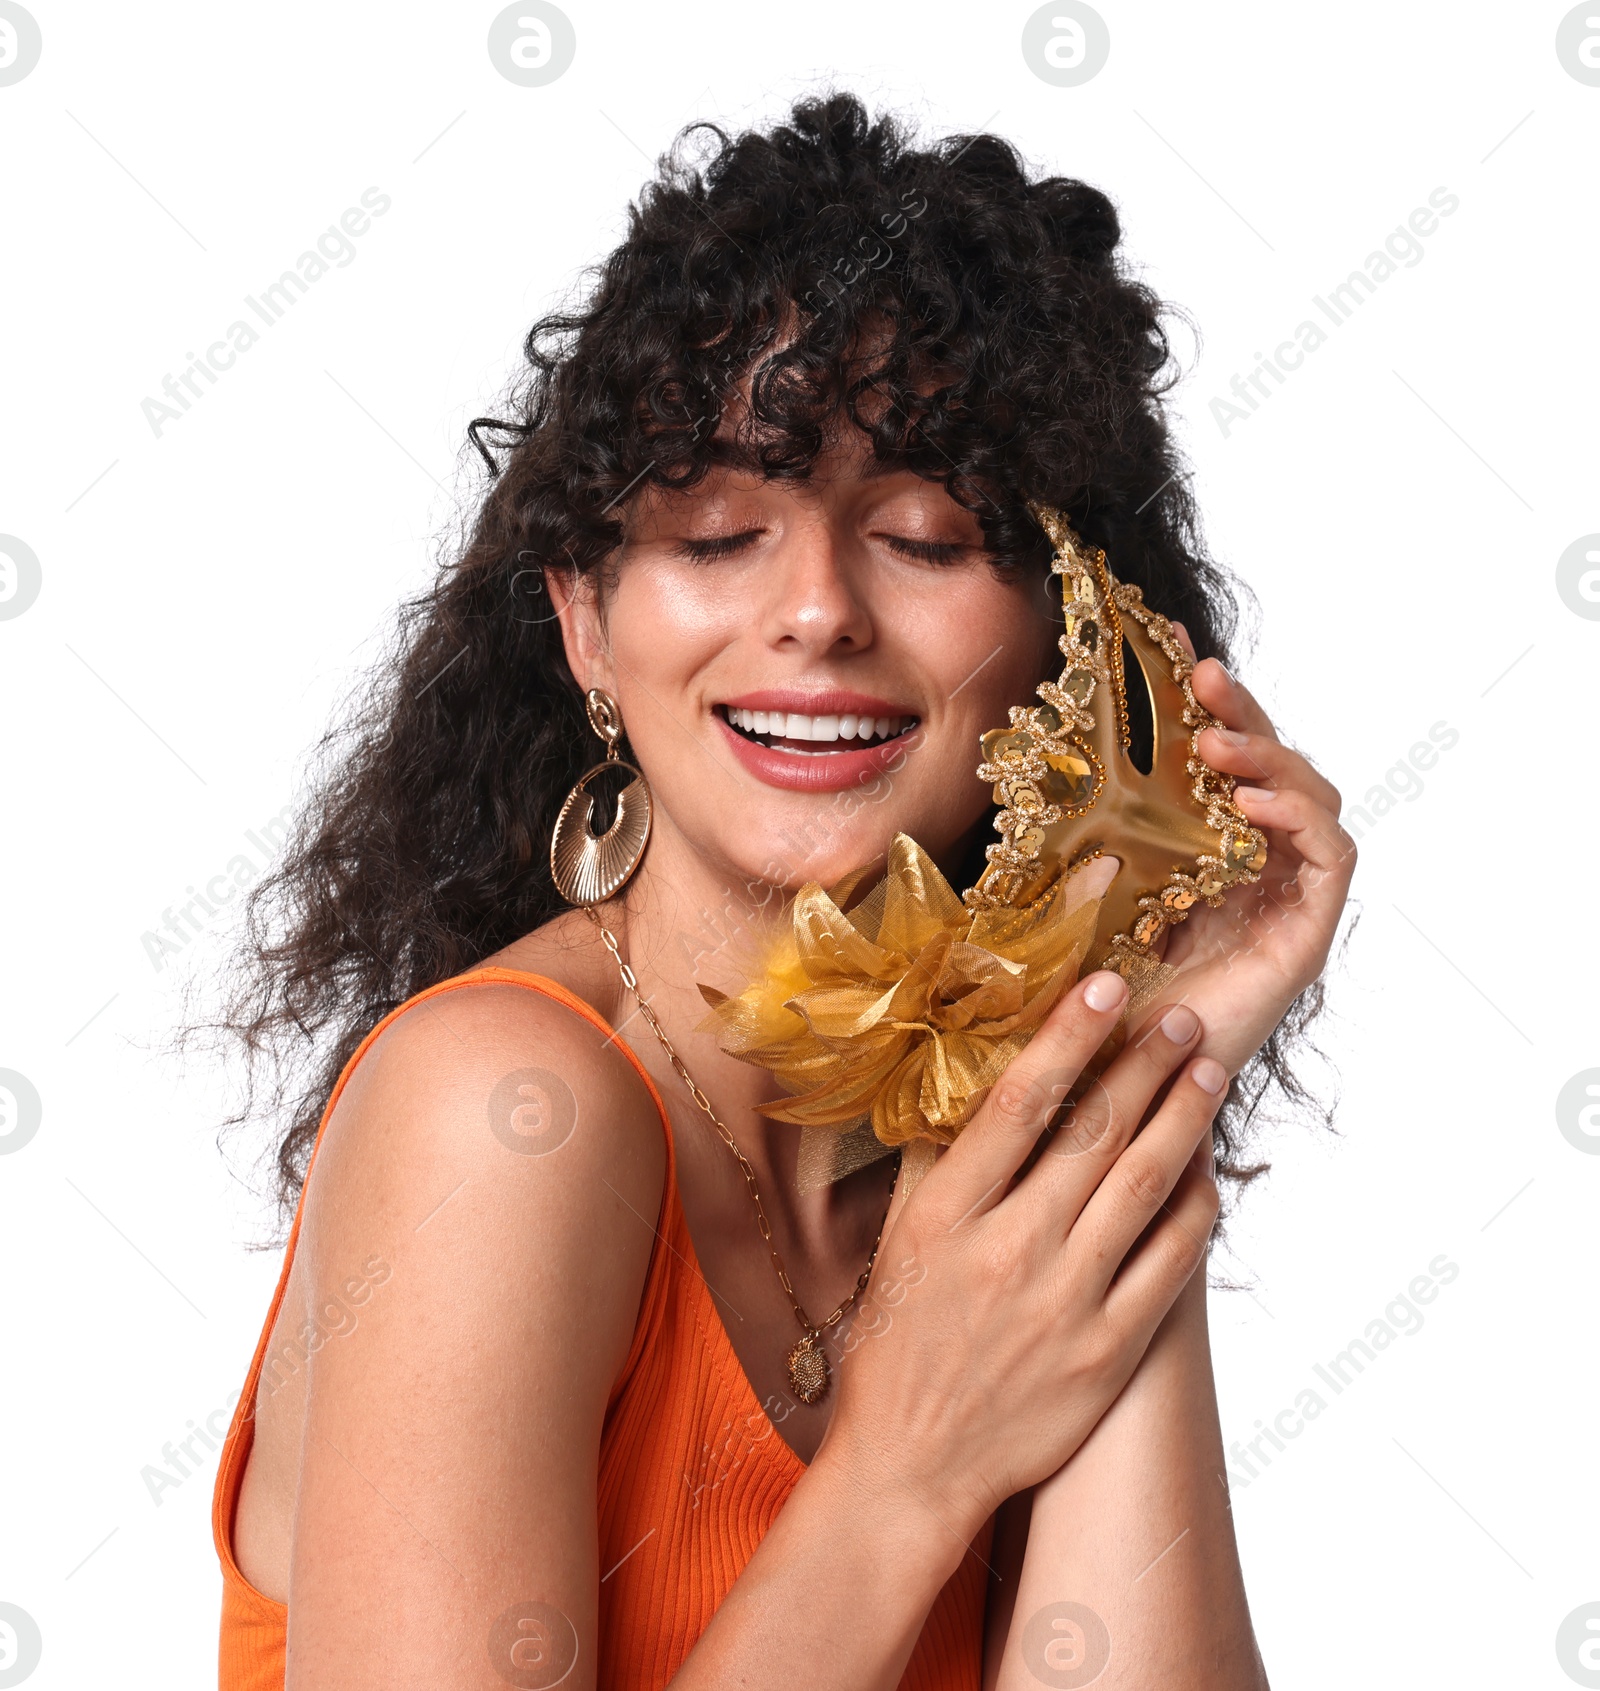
<point>576,599</point>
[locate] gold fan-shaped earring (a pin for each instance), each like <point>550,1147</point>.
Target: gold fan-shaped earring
<point>588,867</point>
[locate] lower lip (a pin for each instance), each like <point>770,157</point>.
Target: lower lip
<point>818,772</point>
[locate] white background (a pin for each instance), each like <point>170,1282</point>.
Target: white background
<point>1399,505</point>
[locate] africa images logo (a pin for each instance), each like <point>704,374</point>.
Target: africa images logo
<point>335,248</point>
<point>20,47</point>
<point>1402,249</point>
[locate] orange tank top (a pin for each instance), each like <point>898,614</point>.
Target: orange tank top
<point>692,1472</point>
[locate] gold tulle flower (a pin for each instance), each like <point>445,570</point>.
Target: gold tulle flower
<point>903,1012</point>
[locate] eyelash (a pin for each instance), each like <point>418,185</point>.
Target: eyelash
<point>716,546</point>
<point>724,545</point>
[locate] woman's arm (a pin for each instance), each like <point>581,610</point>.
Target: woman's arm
<point>1137,1529</point>
<point>444,1465</point>
<point>836,1594</point>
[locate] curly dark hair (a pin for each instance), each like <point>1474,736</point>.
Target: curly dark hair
<point>977,327</point>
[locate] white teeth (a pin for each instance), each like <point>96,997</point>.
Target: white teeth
<point>789,725</point>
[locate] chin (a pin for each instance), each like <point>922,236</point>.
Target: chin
<point>817,846</point>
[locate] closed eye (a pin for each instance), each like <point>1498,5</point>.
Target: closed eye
<point>711,547</point>
<point>930,551</point>
<point>716,545</point>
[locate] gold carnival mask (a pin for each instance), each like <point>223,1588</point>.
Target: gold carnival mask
<point>888,1019</point>
<point>1068,789</point>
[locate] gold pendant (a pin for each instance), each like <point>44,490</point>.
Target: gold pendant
<point>808,1369</point>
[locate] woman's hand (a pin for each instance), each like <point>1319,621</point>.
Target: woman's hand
<point>1244,963</point>
<point>1007,1313</point>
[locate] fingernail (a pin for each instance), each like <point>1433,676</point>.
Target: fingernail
<point>1233,736</point>
<point>1227,674</point>
<point>1179,1024</point>
<point>1210,1076</point>
<point>1205,1158</point>
<point>1104,990</point>
<point>1254,793</point>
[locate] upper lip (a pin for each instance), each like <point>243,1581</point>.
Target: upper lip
<point>833,701</point>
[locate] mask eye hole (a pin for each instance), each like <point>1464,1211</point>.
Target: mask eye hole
<point>1141,712</point>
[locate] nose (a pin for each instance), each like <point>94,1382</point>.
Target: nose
<point>816,606</point>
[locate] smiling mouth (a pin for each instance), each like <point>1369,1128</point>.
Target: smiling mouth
<point>815,736</point>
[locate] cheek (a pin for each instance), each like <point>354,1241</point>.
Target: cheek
<point>663,627</point>
<point>986,655</point>
<point>993,653</point>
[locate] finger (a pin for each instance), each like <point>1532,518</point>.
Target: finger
<point>1307,828</point>
<point>1138,1183</point>
<point>1231,703</point>
<point>1161,1263</point>
<point>1091,879</point>
<point>1183,639</point>
<point>1266,762</point>
<point>973,1174</point>
<point>1103,1122</point>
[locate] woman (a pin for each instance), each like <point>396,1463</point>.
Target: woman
<point>523,1411</point>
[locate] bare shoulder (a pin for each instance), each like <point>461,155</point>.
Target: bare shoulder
<point>475,1238</point>
<point>497,1103</point>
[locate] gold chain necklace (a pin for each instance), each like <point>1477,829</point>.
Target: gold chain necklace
<point>808,1362</point>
